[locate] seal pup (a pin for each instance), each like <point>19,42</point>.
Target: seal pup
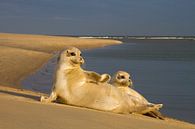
<point>72,85</point>
<point>122,80</point>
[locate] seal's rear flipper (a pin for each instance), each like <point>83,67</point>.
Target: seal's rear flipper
<point>155,114</point>
<point>151,108</point>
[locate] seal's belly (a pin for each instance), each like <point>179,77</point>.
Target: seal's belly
<point>74,81</point>
<point>99,97</point>
<point>79,92</point>
<point>75,76</point>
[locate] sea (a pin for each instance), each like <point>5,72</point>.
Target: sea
<point>162,70</point>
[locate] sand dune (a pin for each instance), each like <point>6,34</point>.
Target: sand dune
<point>16,63</point>
<point>22,110</point>
<point>50,43</point>
<point>20,55</point>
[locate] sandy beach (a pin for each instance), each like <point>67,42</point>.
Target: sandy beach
<point>20,56</point>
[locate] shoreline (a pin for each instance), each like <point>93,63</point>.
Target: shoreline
<point>19,106</point>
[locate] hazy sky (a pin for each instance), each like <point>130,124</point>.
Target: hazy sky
<point>98,17</point>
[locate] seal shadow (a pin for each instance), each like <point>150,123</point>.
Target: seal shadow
<point>24,95</point>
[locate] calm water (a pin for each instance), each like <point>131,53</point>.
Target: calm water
<point>162,70</point>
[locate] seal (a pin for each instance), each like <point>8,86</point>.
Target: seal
<point>123,81</point>
<point>76,86</point>
<point>74,60</point>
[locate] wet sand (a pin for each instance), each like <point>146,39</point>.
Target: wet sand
<point>20,55</point>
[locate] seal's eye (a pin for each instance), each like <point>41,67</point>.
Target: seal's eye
<point>123,77</point>
<point>80,54</point>
<point>72,54</point>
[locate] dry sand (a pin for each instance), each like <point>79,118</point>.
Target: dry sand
<point>20,55</point>
<point>45,43</point>
<point>21,109</point>
<point>16,63</point>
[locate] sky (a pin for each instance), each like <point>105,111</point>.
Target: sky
<point>98,17</point>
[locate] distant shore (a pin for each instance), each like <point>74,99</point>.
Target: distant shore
<point>141,37</point>
<point>20,55</point>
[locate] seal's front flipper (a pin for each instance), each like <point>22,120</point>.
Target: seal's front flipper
<point>105,78</point>
<point>49,99</point>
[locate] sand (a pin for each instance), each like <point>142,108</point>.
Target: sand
<point>21,109</point>
<point>20,55</point>
<point>17,63</point>
<point>50,44</point>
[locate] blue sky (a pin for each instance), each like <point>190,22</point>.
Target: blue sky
<point>98,17</point>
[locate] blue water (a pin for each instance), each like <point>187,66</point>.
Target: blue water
<point>162,70</point>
